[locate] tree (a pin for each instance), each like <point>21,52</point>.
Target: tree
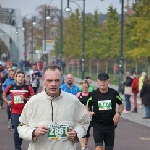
<point>109,37</point>
<point>72,36</point>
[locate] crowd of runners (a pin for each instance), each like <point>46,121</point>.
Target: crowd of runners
<point>61,114</point>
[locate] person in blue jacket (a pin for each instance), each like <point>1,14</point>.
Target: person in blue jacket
<point>9,81</point>
<point>69,86</point>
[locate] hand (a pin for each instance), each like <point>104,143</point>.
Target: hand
<point>91,113</point>
<point>41,130</point>
<point>116,118</point>
<point>9,103</point>
<point>22,97</point>
<point>71,134</point>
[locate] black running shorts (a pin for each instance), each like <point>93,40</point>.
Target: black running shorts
<point>104,134</point>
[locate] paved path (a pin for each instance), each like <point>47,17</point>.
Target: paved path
<point>129,136</point>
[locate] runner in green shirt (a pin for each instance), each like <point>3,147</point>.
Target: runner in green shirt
<point>91,87</point>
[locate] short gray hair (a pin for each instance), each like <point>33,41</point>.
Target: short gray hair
<point>51,67</point>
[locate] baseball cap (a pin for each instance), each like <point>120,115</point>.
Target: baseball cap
<point>103,76</point>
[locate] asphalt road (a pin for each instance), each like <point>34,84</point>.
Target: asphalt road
<point>129,136</point>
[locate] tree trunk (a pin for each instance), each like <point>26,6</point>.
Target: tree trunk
<point>72,67</point>
<point>97,66</point>
<point>136,65</point>
<point>106,66</point>
<point>115,67</point>
<point>67,65</point>
<point>90,67</point>
<point>148,66</point>
<point>78,68</point>
<point>125,69</point>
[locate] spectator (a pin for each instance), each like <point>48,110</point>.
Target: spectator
<point>145,95</point>
<point>21,65</point>
<point>128,92</point>
<point>135,90</point>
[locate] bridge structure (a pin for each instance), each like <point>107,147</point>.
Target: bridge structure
<point>10,22</point>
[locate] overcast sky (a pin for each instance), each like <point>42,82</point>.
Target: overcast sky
<point>28,6</point>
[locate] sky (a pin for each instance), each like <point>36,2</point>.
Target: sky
<point>28,6</point>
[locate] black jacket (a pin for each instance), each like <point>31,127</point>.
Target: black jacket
<point>145,94</point>
<point>128,81</point>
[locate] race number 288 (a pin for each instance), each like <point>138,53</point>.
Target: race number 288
<point>57,131</point>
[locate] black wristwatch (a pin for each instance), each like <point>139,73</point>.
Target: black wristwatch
<point>119,113</point>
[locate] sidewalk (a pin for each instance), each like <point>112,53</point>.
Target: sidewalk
<point>135,117</point>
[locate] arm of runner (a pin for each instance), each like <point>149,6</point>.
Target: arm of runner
<point>5,94</point>
<point>26,132</point>
<point>119,101</point>
<point>89,104</point>
<point>82,121</point>
<point>117,115</point>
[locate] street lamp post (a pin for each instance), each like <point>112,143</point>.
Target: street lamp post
<point>61,31</point>
<point>25,39</point>
<point>121,45</point>
<point>25,36</point>
<point>32,40</point>
<point>68,9</point>
<point>83,38</point>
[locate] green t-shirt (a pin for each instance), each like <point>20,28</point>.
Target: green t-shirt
<point>90,89</point>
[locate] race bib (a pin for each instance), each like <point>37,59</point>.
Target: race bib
<point>18,100</point>
<point>58,132</point>
<point>105,105</point>
<point>34,84</point>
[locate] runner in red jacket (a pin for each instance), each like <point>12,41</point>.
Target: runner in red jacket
<point>20,94</point>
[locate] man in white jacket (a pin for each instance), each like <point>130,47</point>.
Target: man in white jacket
<point>53,119</point>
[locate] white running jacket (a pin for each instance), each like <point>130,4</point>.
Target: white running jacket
<point>42,110</point>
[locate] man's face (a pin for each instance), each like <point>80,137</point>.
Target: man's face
<point>52,80</point>
<point>89,80</point>
<point>12,74</point>
<point>103,84</point>
<point>69,79</point>
<point>20,78</point>
<point>127,74</point>
<point>34,67</point>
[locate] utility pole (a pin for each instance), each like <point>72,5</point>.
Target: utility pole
<point>32,39</point>
<point>45,34</point>
<point>61,34</point>
<point>25,39</point>
<point>121,46</point>
<point>83,39</point>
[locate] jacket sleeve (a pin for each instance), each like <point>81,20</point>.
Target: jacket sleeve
<point>4,85</point>
<point>140,83</point>
<point>142,90</point>
<point>82,120</point>
<point>25,132</point>
<point>128,81</point>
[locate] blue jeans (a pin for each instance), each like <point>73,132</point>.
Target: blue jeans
<point>128,103</point>
<point>147,111</point>
<point>17,140</point>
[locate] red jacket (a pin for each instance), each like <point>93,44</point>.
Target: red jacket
<point>135,85</point>
<point>15,91</point>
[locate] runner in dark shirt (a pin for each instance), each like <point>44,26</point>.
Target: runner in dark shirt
<point>104,116</point>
